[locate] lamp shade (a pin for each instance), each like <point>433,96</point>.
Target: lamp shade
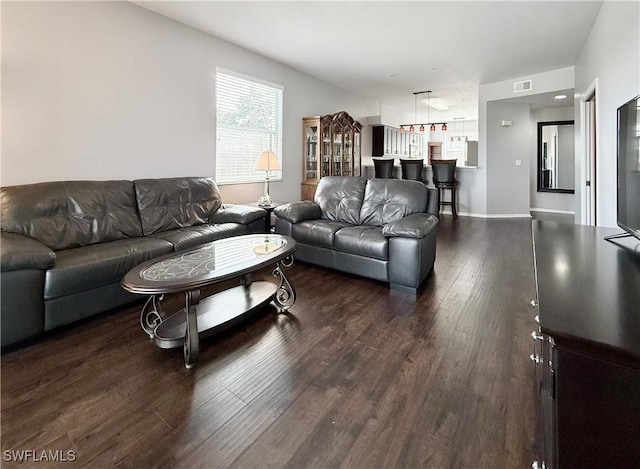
<point>267,161</point>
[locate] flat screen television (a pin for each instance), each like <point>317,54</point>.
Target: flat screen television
<point>629,167</point>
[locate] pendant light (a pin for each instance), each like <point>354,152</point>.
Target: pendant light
<point>421,127</point>
<point>433,127</point>
<point>415,113</point>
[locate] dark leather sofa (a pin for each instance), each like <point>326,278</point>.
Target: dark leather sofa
<point>383,229</point>
<point>65,246</point>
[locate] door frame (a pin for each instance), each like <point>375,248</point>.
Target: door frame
<point>588,160</point>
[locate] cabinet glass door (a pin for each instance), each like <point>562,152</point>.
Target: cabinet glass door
<point>388,148</point>
<point>394,142</point>
<point>356,153</point>
<point>311,152</point>
<point>337,153</point>
<point>326,150</point>
<point>347,154</point>
<point>415,146</point>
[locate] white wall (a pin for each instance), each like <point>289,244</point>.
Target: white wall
<point>611,54</point>
<point>108,90</point>
<point>508,181</point>
<point>497,161</point>
<point>548,201</point>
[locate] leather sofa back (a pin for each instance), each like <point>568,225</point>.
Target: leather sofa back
<point>375,202</point>
<point>340,198</point>
<point>388,200</point>
<point>70,214</point>
<point>172,203</point>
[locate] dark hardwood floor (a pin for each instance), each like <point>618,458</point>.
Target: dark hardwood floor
<point>356,376</point>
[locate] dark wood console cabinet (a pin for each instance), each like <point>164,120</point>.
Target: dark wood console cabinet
<point>587,347</point>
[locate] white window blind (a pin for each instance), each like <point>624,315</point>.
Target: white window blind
<point>249,121</point>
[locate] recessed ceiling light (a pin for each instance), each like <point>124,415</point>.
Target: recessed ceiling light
<point>439,105</point>
<point>560,96</point>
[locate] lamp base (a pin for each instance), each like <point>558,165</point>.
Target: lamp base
<point>264,201</point>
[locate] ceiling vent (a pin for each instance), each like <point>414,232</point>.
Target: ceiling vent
<point>520,86</point>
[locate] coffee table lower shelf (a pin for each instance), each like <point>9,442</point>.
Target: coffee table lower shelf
<point>216,313</point>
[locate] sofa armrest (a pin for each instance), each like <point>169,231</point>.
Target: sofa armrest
<point>433,204</point>
<point>295,212</point>
<point>416,226</point>
<point>20,252</point>
<point>243,214</point>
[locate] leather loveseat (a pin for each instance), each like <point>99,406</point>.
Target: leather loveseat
<point>65,246</point>
<point>383,229</point>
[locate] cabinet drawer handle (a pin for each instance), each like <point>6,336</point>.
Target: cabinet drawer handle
<point>536,318</point>
<point>536,336</point>
<point>535,358</point>
<point>533,304</point>
<point>538,465</point>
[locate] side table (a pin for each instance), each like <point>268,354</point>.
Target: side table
<point>269,209</point>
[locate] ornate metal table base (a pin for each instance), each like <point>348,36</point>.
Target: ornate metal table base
<point>201,318</point>
<point>285,294</point>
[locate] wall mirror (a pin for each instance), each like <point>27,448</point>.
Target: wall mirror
<point>556,156</point>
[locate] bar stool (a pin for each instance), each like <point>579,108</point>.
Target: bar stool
<point>383,168</point>
<point>444,177</point>
<point>412,169</point>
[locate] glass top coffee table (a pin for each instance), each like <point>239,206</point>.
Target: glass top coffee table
<point>189,271</point>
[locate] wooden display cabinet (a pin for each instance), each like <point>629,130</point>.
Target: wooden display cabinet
<point>332,147</point>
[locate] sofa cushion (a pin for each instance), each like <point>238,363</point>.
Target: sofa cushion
<point>298,211</point>
<point>173,203</point>
<point>19,252</point>
<point>90,267</point>
<point>317,232</point>
<point>340,198</point>
<point>387,200</point>
<point>362,240</point>
<point>232,213</point>
<point>416,226</point>
<point>69,214</point>
<point>185,238</point>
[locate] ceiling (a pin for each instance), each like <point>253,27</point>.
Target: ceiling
<point>388,50</point>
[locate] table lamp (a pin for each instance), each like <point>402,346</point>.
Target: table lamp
<point>267,161</point>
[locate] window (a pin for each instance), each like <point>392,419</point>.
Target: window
<point>249,121</point>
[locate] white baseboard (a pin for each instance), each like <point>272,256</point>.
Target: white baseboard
<point>508,215</point>
<point>489,215</point>
<point>548,210</point>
